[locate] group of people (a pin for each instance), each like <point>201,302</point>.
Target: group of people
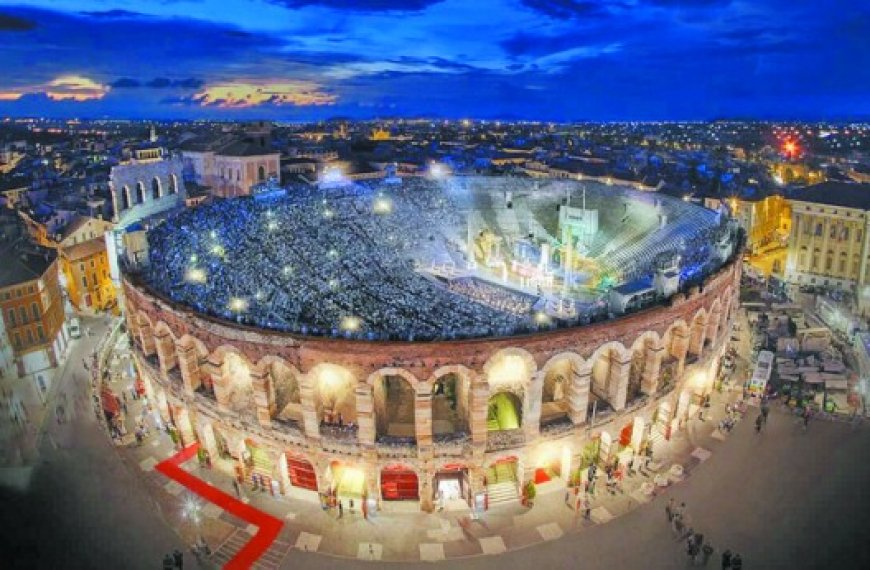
<point>493,295</point>
<point>698,550</point>
<point>306,262</point>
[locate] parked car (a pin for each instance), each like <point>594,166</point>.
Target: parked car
<point>75,327</point>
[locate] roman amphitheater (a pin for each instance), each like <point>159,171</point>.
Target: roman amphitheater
<point>425,344</point>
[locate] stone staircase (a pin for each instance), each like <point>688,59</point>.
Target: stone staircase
<point>503,492</point>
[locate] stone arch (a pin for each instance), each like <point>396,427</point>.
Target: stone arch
<point>173,184</point>
<point>140,192</point>
<point>165,341</point>
<point>713,321</point>
<point>333,393</point>
<point>450,388</point>
<point>156,188</point>
<point>646,354</point>
<point>191,353</point>
<point>261,173</point>
<point>563,381</point>
<point>609,373</point>
<point>284,391</point>
<point>697,332</point>
<point>146,333</point>
<point>509,366</point>
<point>234,385</point>
<point>393,404</point>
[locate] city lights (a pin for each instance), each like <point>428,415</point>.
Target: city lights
<point>238,304</point>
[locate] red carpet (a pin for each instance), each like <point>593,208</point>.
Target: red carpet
<point>269,526</point>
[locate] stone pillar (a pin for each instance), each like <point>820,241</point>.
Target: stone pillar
<point>578,395</point>
<point>479,403</point>
<point>426,478</point>
<point>713,326</point>
<point>365,416</point>
<point>188,364</point>
<point>604,447</point>
<point>532,405</point>
<point>260,383</point>
<point>696,338</point>
<point>207,439</point>
<point>310,421</point>
<point>423,420</point>
<point>146,338</point>
<point>680,341</point>
<point>214,368</point>
<point>133,327</point>
<point>165,351</point>
<point>617,383</point>
<point>184,425</point>
<point>649,382</point>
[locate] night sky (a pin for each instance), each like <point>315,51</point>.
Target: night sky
<point>560,60</point>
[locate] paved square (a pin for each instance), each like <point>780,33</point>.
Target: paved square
<point>717,434</point>
<point>550,531</point>
<point>147,464</point>
<point>290,516</point>
<point>701,454</point>
<point>155,443</point>
<point>308,542</point>
<point>492,545</point>
<point>431,552</point>
<point>212,511</point>
<point>641,497</point>
<point>600,515</point>
<point>370,551</point>
<point>173,488</point>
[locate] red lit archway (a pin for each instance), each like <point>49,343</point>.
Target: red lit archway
<point>399,483</point>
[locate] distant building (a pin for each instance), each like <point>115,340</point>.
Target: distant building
<point>829,244</point>
<point>31,305</point>
<point>85,268</point>
<point>147,185</point>
<point>231,166</point>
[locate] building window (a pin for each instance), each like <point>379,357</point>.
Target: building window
<point>35,308</point>
<point>17,340</point>
<point>40,333</point>
<point>29,337</point>
<point>11,314</point>
<point>818,230</point>
<point>85,281</point>
<point>22,314</point>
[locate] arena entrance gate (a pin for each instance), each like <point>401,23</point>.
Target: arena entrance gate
<point>451,487</point>
<point>501,480</point>
<point>399,483</point>
<point>301,472</point>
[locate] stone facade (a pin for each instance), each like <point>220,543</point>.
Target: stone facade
<point>644,371</point>
<point>143,189</point>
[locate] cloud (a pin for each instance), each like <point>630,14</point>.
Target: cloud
<point>567,9</point>
<point>113,14</point>
<point>159,83</point>
<point>361,5</point>
<point>9,23</point>
<point>126,83</point>
<point>249,94</point>
<point>63,88</point>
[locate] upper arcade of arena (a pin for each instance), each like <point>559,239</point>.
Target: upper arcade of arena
<point>423,259</point>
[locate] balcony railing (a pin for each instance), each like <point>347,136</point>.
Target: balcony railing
<point>396,448</point>
<point>505,439</point>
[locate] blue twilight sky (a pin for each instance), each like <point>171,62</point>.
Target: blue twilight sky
<point>504,59</point>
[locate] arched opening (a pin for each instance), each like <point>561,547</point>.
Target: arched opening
<point>640,354</point>
<point>554,392</point>
<point>125,198</point>
<point>394,409</point>
<point>504,412</point>
<point>237,380</point>
<point>450,396</point>
<point>501,480</point>
<point>156,190</point>
<point>140,193</point>
<point>288,402</point>
<point>300,471</point>
<point>346,481</point>
<point>697,334</point>
<point>173,184</point>
<point>399,483</point>
<point>451,487</point>
<point>335,401</point>
<point>261,174</point>
<point>604,375</point>
<point>258,464</point>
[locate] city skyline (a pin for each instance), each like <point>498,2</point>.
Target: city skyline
<point>506,59</point>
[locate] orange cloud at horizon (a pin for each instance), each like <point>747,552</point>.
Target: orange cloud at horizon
<point>63,88</point>
<point>244,94</point>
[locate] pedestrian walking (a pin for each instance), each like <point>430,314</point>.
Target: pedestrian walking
<point>726,560</point>
<point>178,558</point>
<point>758,421</point>
<point>168,563</point>
<point>669,510</point>
<point>340,509</point>
<point>706,553</point>
<point>568,497</point>
<point>677,525</point>
<point>237,489</point>
<point>736,562</point>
